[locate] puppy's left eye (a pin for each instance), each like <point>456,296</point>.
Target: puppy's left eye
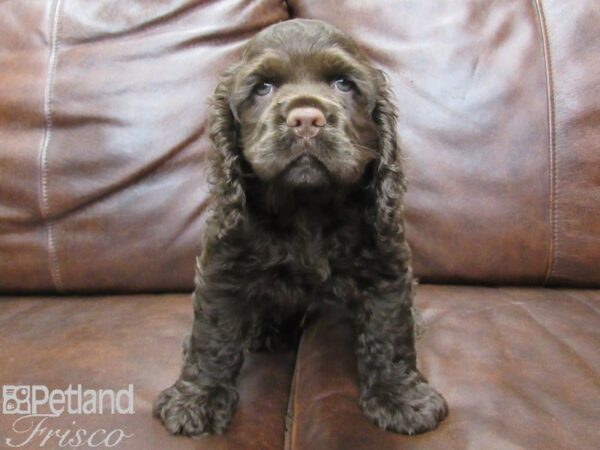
<point>343,84</point>
<point>263,88</point>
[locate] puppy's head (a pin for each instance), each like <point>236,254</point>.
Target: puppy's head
<point>304,108</point>
<point>303,96</point>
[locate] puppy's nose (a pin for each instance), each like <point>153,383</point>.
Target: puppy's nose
<point>306,121</point>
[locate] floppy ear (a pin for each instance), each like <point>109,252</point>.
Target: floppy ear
<point>225,159</point>
<point>388,183</point>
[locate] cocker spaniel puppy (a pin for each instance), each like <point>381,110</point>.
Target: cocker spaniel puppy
<point>308,186</point>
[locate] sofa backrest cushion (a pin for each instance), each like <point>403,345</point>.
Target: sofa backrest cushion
<point>103,142</point>
<point>102,137</point>
<point>499,118</point>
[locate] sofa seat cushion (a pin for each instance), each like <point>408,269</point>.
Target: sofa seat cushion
<point>111,342</point>
<point>520,368</point>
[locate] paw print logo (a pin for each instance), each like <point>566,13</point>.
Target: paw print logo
<point>16,399</point>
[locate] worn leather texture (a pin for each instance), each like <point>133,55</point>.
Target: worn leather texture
<point>103,143</point>
<point>499,108</point>
<point>111,342</point>
<point>102,137</point>
<point>519,367</point>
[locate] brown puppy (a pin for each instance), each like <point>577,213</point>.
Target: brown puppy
<point>308,187</point>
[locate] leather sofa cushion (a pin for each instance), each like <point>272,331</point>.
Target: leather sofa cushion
<point>499,117</point>
<point>111,342</point>
<point>518,367</point>
<point>103,143</point>
<point>102,137</point>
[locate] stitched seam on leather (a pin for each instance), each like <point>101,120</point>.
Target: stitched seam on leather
<point>44,203</point>
<point>553,211</point>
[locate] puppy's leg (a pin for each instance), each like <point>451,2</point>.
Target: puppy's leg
<point>394,395</point>
<point>204,398</point>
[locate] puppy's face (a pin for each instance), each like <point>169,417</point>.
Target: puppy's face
<point>303,96</point>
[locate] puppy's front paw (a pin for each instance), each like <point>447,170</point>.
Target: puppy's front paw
<point>411,411</point>
<point>188,409</point>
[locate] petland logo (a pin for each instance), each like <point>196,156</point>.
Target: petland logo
<point>37,405</point>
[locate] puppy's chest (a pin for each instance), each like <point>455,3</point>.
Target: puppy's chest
<point>313,261</point>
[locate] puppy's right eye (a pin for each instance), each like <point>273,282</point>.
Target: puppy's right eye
<point>263,88</point>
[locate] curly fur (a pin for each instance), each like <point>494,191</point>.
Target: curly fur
<point>274,249</point>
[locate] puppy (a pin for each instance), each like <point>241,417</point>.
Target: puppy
<point>307,186</point>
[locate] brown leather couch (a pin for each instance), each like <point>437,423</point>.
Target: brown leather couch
<point>103,199</point>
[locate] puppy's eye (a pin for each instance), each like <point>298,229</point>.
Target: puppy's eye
<point>343,84</point>
<point>263,88</point>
